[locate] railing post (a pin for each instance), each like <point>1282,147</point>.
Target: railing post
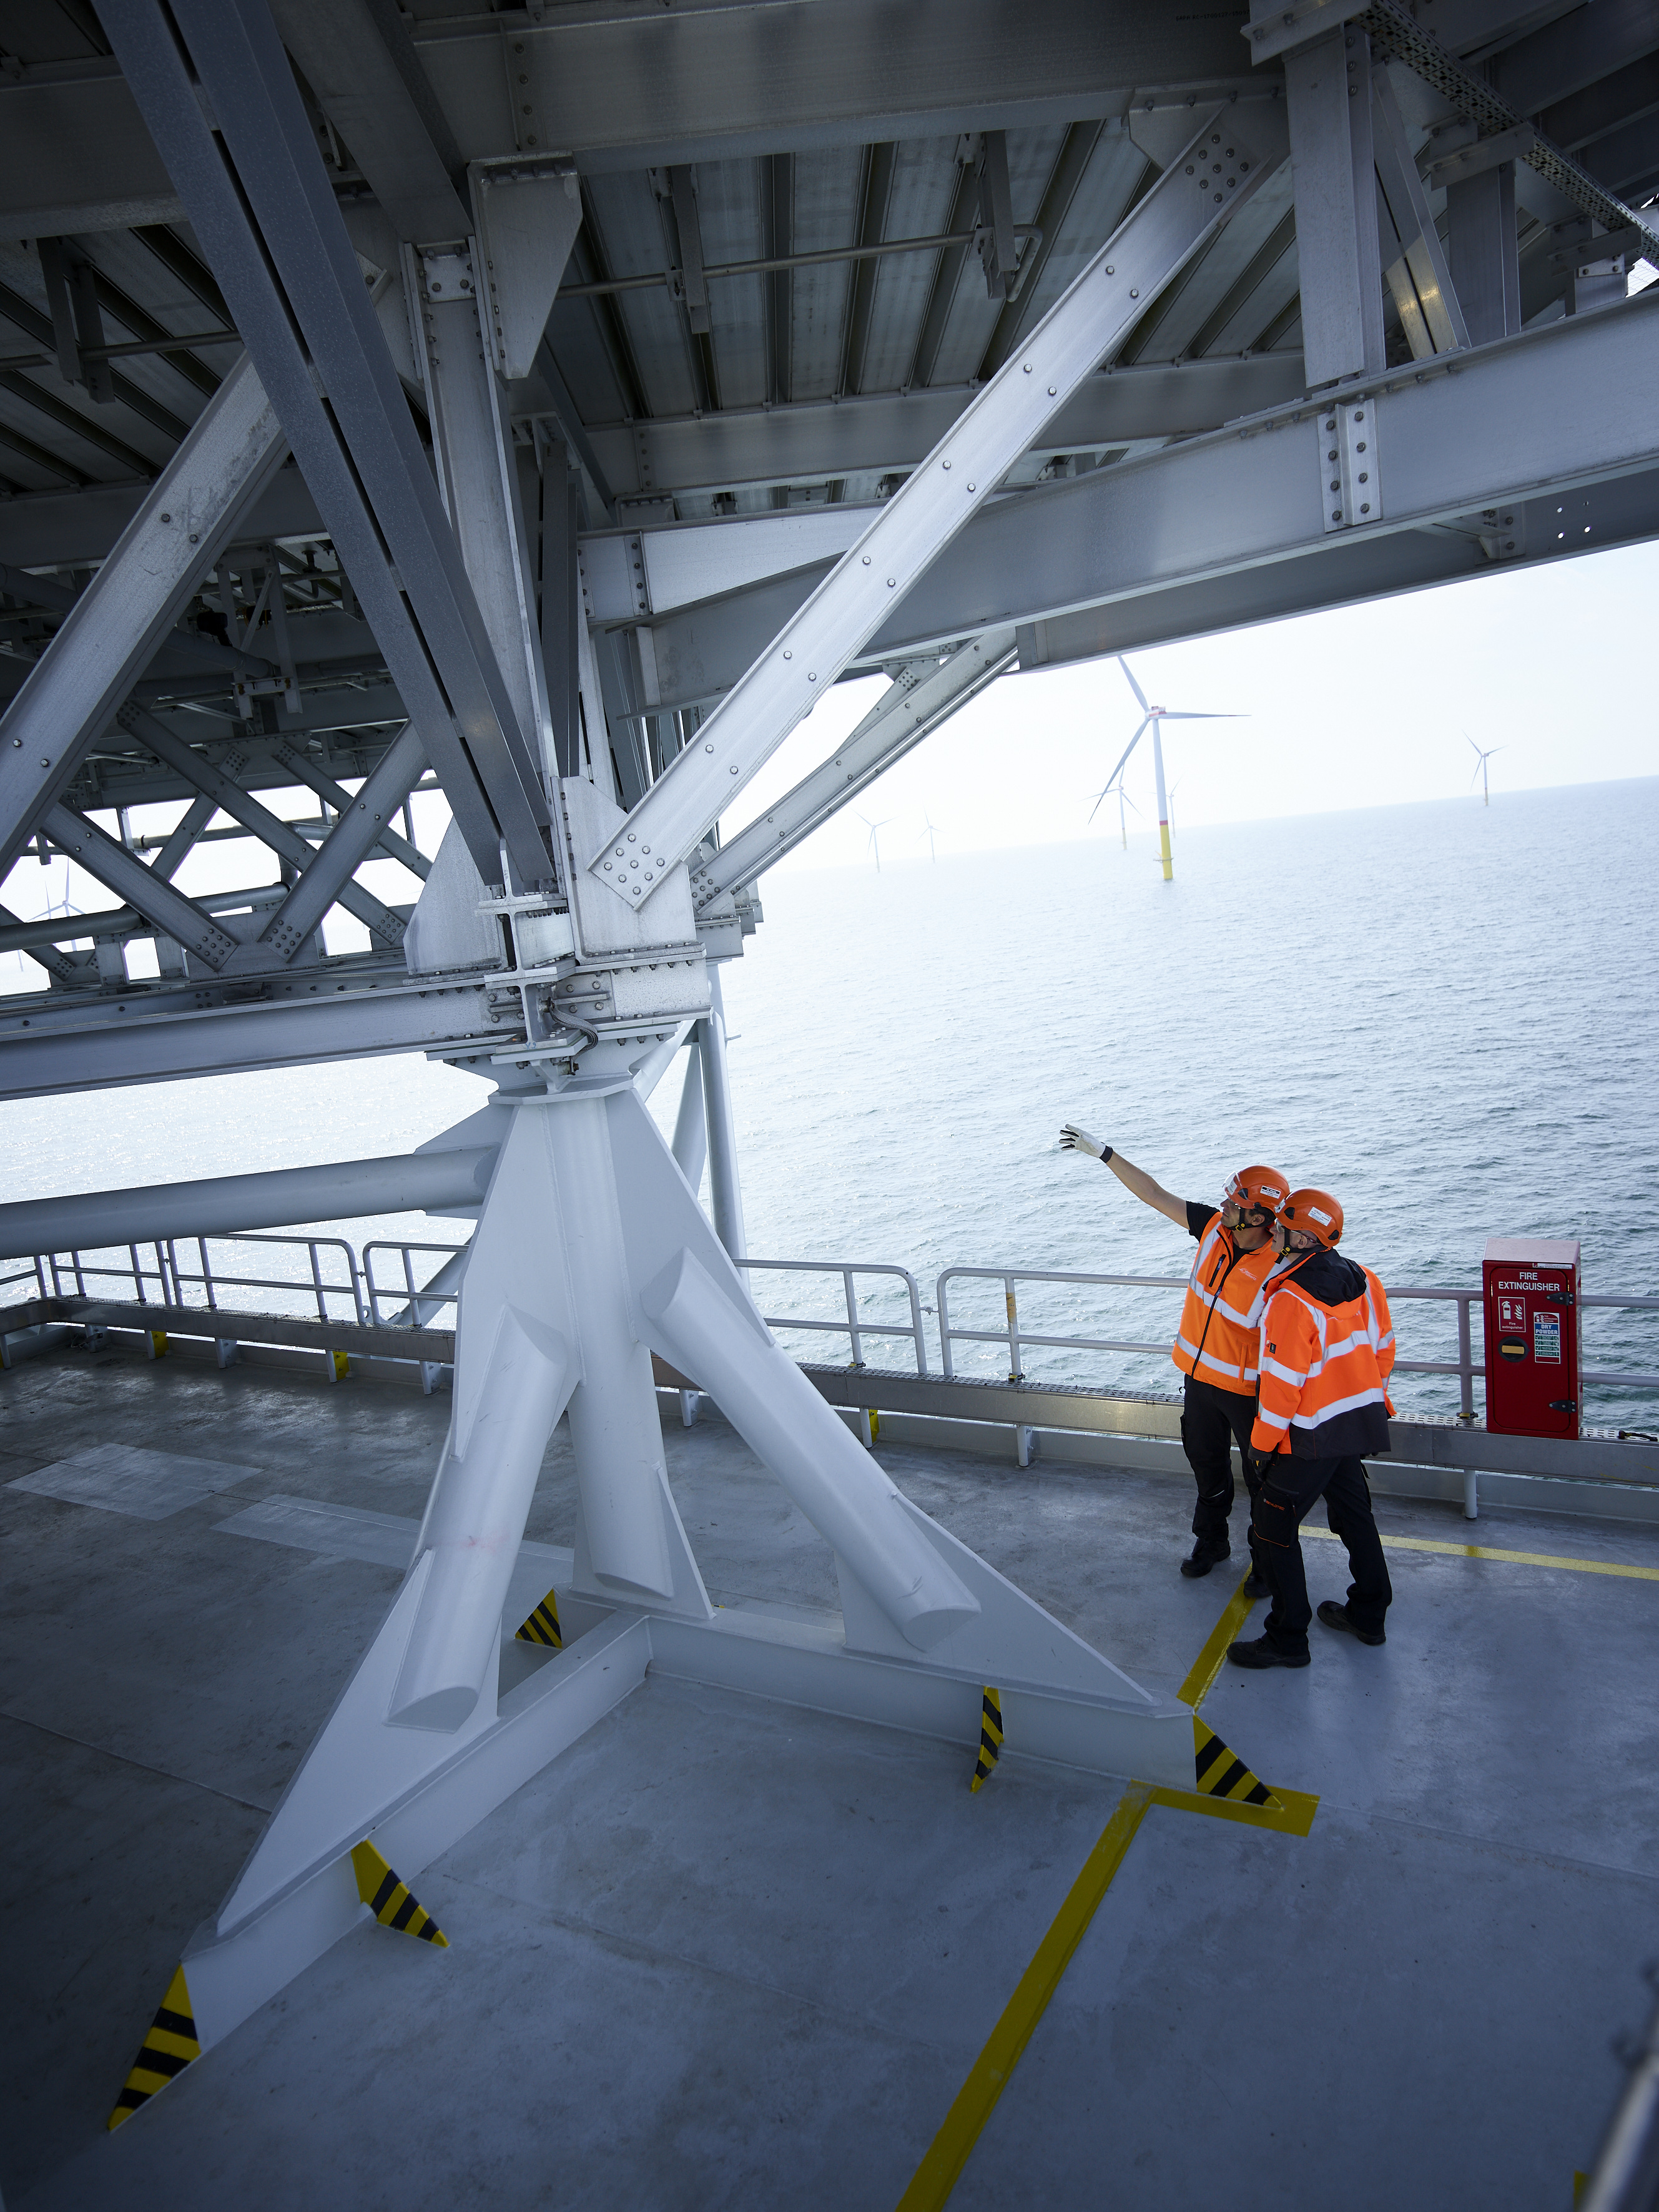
<point>1014,1373</point>
<point>942,1315</point>
<point>1466,1367</point>
<point>852,1317</point>
<point>916,1336</point>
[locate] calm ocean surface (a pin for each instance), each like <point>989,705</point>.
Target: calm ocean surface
<point>1445,1013</point>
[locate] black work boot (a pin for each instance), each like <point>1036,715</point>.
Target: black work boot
<point>1264,1653</point>
<point>1207,1552</point>
<point>1338,1616</point>
<point>1254,1584</point>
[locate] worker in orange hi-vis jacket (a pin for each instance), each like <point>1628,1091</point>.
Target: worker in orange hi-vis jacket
<point>1327,1353</point>
<point>1216,1343</point>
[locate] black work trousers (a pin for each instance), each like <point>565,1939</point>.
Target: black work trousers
<point>1211,1421</point>
<point>1281,1504</point>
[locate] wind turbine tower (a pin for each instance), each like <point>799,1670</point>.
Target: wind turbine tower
<point>1154,717</point>
<point>1480,760</point>
<point>1123,800</point>
<point>931,833</point>
<point>875,828</point>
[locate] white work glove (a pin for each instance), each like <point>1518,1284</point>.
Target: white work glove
<point>1073,1140</point>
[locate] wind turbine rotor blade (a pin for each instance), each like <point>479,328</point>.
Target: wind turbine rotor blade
<point>1133,686</point>
<point>1471,746</point>
<point>1127,750</point>
<point>1100,797</point>
<point>1202,714</point>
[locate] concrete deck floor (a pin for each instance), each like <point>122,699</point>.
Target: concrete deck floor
<point>727,1953</point>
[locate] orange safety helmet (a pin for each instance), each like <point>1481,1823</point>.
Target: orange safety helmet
<point>1316,1213</point>
<point>1261,1187</point>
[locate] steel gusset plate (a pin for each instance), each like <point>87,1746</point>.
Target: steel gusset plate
<point>262,211</point>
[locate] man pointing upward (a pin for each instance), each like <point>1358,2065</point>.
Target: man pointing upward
<point>1216,1345</point>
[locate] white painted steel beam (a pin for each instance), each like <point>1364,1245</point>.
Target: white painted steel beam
<point>220,1206</point>
<point>119,623</point>
<point>1547,412</point>
<point>126,875</point>
<point>855,435</point>
<point>1417,272</point>
<point>161,1036</point>
<point>326,878</point>
<point>1327,89</point>
<point>1220,531</point>
<point>476,469</point>
<point>915,704</point>
<point>228,795</point>
<point>359,62</point>
<point>1220,170</point>
<point>268,221</point>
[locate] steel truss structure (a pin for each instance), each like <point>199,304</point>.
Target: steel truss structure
<point>544,407</point>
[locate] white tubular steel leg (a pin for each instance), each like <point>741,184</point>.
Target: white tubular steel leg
<point>725,1193</point>
<point>691,1122</point>
<point>516,1365</point>
<point>631,1542</point>
<point>697,1314</point>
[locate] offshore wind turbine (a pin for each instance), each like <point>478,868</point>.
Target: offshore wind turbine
<point>1480,760</point>
<point>874,828</point>
<point>930,832</point>
<point>1154,717</point>
<point>1123,798</point>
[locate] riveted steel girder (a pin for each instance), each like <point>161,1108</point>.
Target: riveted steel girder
<point>267,220</point>
<point>113,630</point>
<point>1220,170</point>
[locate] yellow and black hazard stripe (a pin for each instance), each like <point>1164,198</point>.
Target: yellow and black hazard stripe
<point>166,2051</point>
<point>542,1625</point>
<point>389,1899</point>
<point>1221,1773</point>
<point>990,1735</point>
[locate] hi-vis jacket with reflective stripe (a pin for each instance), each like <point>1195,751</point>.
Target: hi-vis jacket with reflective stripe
<point>1221,1321</point>
<point>1326,1353</point>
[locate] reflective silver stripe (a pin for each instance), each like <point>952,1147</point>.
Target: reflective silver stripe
<point>1272,1421</point>
<point>1285,1373</point>
<point>1208,1359</point>
<point>1354,1343</point>
<point>1337,1406</point>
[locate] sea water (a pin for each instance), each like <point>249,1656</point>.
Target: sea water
<point>1442,1013</point>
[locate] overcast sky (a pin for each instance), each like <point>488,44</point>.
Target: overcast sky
<point>1362,707</point>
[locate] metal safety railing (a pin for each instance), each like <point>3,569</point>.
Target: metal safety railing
<point>161,1278</point>
<point>212,1280</point>
<point>1017,1338</point>
<point>344,1287</point>
<point>856,1327</point>
<point>417,1296</point>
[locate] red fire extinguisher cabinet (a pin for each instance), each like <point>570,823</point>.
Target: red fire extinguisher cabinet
<point>1535,1349</point>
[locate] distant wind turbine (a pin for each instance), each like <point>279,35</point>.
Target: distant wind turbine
<point>1154,717</point>
<point>874,828</point>
<point>1480,760</point>
<point>1123,800</point>
<point>930,833</point>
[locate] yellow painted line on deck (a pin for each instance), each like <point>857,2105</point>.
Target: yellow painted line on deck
<point>1488,1551</point>
<point>936,2177</point>
<point>1207,1665</point>
<point>946,2156</point>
